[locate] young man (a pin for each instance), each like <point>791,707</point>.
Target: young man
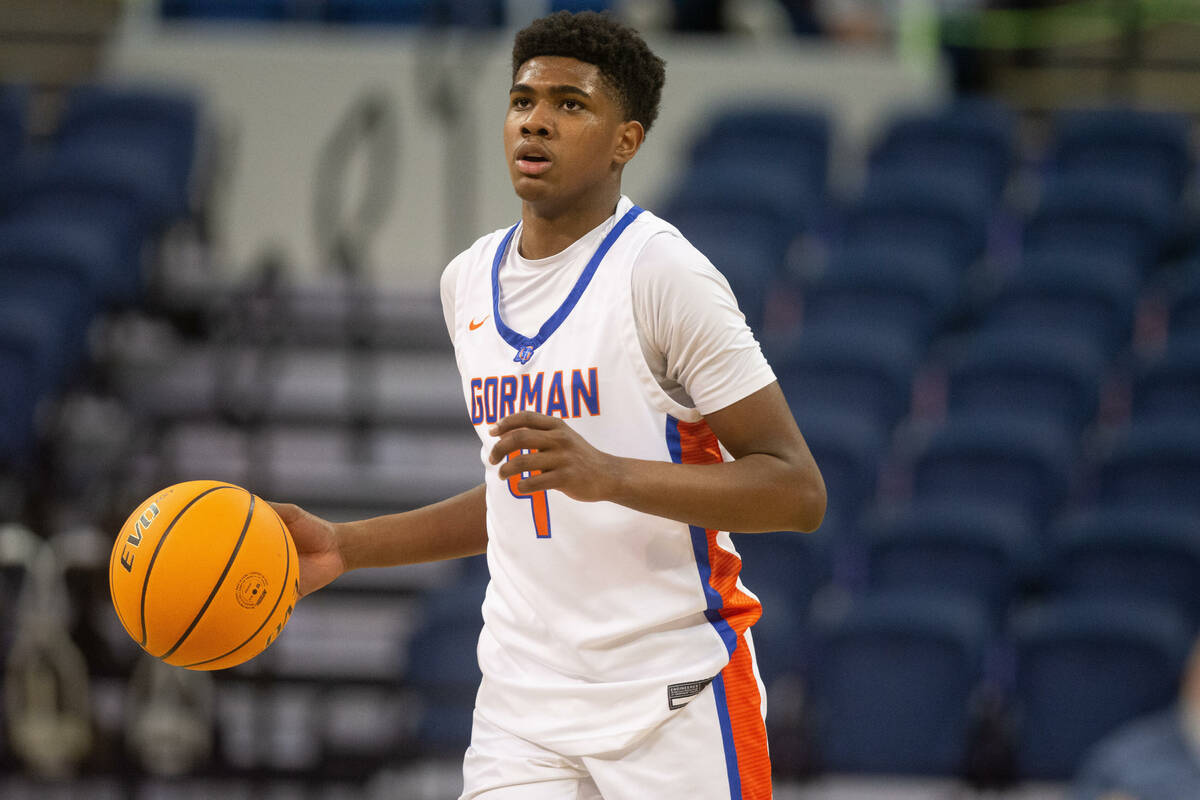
<point>627,420</point>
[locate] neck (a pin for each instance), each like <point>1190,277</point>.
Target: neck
<point>545,233</point>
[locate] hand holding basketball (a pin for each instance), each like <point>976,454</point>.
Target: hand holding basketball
<point>203,575</point>
<point>316,541</point>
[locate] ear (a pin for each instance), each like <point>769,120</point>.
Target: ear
<point>630,136</point>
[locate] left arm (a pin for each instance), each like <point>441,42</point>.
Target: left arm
<point>773,483</point>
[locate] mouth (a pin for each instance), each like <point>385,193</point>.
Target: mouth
<point>532,162</point>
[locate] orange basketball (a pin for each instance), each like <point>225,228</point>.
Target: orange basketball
<point>204,575</point>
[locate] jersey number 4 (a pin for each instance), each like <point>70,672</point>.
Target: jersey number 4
<point>538,502</point>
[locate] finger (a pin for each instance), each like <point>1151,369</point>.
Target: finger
<point>520,439</point>
<point>539,483</point>
<point>518,461</point>
<point>524,419</point>
<point>528,462</point>
<point>286,511</point>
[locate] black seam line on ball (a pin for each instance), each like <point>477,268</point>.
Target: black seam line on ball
<point>287,571</point>
<point>158,547</point>
<point>217,585</point>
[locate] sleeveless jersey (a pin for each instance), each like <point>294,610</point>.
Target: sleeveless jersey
<point>599,621</point>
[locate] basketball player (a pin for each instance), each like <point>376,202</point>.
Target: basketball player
<point>628,420</point>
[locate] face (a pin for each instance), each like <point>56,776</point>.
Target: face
<point>565,135</point>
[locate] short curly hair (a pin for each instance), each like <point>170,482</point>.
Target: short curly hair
<point>617,50</point>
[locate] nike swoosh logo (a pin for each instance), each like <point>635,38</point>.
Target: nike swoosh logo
<point>473,324</point>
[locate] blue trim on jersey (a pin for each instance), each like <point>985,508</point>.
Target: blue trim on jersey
<point>700,550</point>
<point>713,615</point>
<point>731,759</point>
<point>526,345</point>
<point>673,445</point>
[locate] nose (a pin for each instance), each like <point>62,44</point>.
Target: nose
<point>536,122</point>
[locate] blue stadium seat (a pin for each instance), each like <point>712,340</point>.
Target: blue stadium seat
<point>100,199</point>
<point>1185,304</point>
<point>123,189</point>
<point>469,13</point>
<point>1133,552</point>
<point>891,682</point>
<point>49,333</point>
<point>1102,215</point>
<point>1020,464</point>
<point>14,126</point>
<point>1028,372</point>
<point>225,9</point>
<point>85,257</point>
<point>849,448</point>
<point>1125,142</point>
<point>784,570</point>
<point>442,667</point>
<point>575,6</point>
<point>1063,291</point>
<point>1084,667</point>
<point>900,290</point>
<point>1155,462</point>
<point>739,191</point>
<point>1168,385</point>
<point>158,128</point>
<point>954,548</point>
<point>18,403</point>
<point>973,138</point>
<point>912,209</point>
<point>446,675</point>
<point>52,284</point>
<point>455,13</point>
<point>45,312</point>
<point>13,143</point>
<point>380,12</point>
<point>794,141</point>
<point>851,368</point>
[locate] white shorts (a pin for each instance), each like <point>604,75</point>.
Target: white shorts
<point>715,748</point>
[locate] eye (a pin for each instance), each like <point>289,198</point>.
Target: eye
<point>520,102</point>
<point>572,105</point>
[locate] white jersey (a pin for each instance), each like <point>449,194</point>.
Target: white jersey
<point>599,621</point>
<point>693,336</point>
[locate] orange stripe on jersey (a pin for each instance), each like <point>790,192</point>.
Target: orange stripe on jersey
<point>699,445</point>
<point>743,704</point>
<point>731,611</point>
<point>739,609</point>
<point>539,503</point>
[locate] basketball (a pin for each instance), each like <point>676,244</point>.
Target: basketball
<point>203,575</point>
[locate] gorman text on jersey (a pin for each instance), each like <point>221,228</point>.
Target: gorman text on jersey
<point>554,393</point>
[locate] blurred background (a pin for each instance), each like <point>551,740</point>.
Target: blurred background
<point>966,232</point>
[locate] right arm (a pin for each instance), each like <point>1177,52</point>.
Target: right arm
<point>453,528</point>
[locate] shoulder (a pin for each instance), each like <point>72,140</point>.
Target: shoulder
<point>669,266</point>
<point>663,240</point>
<point>666,250</point>
<point>450,274</point>
<point>481,251</point>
